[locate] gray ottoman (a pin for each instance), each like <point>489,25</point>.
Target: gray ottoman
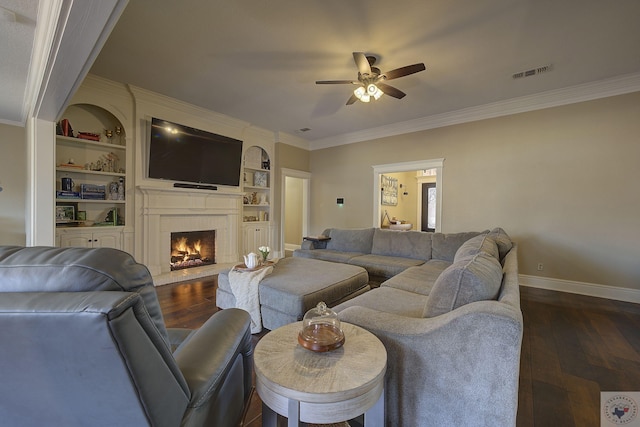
<point>297,285</point>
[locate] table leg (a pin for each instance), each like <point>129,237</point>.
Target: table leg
<point>269,417</point>
<point>374,417</point>
<point>293,413</point>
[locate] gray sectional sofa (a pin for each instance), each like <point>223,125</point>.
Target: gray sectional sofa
<point>449,318</point>
<point>384,253</point>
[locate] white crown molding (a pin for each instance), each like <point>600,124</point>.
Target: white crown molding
<point>581,288</point>
<point>585,92</point>
<point>148,100</point>
<point>295,141</point>
<point>105,86</point>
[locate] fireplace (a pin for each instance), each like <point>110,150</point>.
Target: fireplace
<point>193,249</point>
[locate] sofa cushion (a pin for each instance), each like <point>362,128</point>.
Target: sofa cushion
<point>406,244</point>
<point>384,266</point>
<point>502,240</point>
<point>444,246</point>
<point>472,279</point>
<point>351,240</point>
<point>419,279</point>
<point>482,243</point>
<point>326,255</point>
<point>388,300</point>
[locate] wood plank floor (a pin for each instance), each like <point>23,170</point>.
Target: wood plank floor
<point>573,348</point>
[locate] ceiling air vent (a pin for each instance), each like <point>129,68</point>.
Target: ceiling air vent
<point>533,71</point>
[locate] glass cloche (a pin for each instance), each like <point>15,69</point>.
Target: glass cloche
<point>321,329</point>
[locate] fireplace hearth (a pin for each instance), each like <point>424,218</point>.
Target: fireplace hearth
<point>192,249</point>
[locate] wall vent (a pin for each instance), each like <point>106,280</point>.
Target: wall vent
<point>533,71</point>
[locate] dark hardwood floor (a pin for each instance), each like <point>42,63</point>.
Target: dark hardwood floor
<point>573,348</point>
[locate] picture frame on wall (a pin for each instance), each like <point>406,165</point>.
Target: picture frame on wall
<point>389,188</point>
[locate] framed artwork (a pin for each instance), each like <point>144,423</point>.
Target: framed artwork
<point>389,188</point>
<point>65,213</point>
<point>260,179</point>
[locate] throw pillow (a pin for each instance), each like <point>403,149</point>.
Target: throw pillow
<point>351,240</point>
<point>445,245</point>
<point>502,240</point>
<point>474,279</point>
<point>482,243</point>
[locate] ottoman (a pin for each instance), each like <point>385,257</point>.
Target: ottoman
<point>297,285</point>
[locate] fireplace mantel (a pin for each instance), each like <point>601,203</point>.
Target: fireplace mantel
<point>164,210</point>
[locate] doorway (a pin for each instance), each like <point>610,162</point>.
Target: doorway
<point>295,209</point>
<point>428,208</point>
<point>436,165</point>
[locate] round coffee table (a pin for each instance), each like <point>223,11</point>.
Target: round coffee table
<point>311,387</point>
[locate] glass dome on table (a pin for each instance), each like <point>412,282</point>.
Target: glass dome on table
<point>321,329</point>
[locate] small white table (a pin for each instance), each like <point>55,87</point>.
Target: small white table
<point>320,388</point>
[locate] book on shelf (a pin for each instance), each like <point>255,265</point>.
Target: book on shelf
<point>70,165</point>
<point>67,195</point>
<point>94,196</point>
<point>93,188</point>
<point>89,136</point>
<point>93,192</point>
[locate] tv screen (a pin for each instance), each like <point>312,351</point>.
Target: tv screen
<point>184,154</point>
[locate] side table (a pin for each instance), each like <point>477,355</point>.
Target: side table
<point>320,387</point>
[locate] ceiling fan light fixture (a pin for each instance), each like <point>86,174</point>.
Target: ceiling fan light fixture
<point>361,94</point>
<point>365,94</point>
<point>374,91</point>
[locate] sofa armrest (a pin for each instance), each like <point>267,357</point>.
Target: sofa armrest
<point>307,244</point>
<point>470,356</point>
<point>208,355</point>
<point>178,336</point>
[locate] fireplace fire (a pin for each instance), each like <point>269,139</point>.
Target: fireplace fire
<point>192,249</point>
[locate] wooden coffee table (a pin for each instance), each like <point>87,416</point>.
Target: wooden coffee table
<point>311,387</point>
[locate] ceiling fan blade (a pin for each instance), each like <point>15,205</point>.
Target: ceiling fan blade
<point>391,91</point>
<point>337,82</point>
<point>404,71</point>
<point>362,63</point>
<point>352,99</point>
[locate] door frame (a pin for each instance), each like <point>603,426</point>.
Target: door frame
<point>437,164</point>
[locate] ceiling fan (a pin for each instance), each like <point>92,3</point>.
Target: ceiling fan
<point>371,82</point>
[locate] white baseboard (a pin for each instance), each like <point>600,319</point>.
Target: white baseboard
<point>291,247</point>
<point>582,288</point>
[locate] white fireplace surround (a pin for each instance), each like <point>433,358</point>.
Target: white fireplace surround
<point>167,210</point>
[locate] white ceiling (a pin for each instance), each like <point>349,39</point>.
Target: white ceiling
<point>258,60</point>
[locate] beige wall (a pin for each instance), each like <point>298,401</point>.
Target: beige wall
<point>288,157</point>
<point>563,182</point>
<point>13,180</point>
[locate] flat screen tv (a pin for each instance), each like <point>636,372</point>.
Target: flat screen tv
<point>187,155</point>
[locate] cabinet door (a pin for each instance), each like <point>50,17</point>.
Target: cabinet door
<point>107,240</point>
<point>78,240</point>
<point>87,239</point>
<point>254,237</point>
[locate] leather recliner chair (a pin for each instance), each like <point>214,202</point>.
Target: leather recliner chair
<point>83,343</point>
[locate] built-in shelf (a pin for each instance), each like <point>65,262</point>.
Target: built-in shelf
<point>92,166</point>
<point>81,142</point>
<point>89,172</point>
<point>106,202</point>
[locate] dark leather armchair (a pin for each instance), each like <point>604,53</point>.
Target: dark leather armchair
<point>83,343</point>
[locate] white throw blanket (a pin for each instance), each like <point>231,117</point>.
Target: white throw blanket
<point>244,285</point>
